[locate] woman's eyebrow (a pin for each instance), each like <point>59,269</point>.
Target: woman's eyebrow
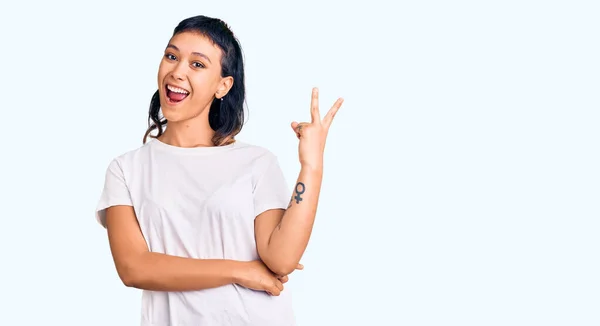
<point>195,53</point>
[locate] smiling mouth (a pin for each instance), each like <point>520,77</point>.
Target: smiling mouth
<point>176,94</point>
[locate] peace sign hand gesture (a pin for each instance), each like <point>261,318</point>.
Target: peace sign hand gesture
<point>313,135</point>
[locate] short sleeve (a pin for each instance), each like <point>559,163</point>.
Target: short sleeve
<point>115,191</point>
<point>271,190</point>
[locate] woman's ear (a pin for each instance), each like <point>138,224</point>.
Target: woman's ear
<point>224,86</point>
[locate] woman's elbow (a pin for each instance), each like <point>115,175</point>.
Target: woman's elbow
<point>282,268</point>
<point>130,274</point>
<point>278,262</point>
<point>127,276</point>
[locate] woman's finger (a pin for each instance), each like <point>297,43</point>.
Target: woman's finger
<point>298,127</point>
<point>314,106</point>
<point>331,114</point>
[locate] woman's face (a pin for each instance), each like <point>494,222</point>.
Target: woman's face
<point>189,77</point>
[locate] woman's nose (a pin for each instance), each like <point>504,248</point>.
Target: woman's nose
<point>178,73</point>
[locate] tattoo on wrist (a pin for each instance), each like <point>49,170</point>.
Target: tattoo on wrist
<point>300,189</point>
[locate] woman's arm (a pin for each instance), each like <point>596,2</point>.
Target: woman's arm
<point>282,235</point>
<point>138,267</point>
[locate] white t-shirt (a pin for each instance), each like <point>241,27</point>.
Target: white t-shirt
<point>201,203</point>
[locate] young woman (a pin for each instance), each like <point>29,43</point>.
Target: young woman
<point>203,223</point>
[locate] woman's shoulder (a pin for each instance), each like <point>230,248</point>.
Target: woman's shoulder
<point>254,151</point>
<point>251,147</point>
<point>132,155</point>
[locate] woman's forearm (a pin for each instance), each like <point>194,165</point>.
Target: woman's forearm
<point>160,272</point>
<point>290,238</point>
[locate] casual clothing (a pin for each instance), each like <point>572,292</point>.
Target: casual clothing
<point>201,203</point>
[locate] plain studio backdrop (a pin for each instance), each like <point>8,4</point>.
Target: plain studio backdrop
<point>461,176</point>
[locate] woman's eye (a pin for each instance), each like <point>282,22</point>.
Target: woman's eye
<point>198,65</point>
<point>170,56</point>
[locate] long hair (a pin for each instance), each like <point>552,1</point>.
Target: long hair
<point>226,116</point>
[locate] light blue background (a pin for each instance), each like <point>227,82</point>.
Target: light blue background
<point>462,172</point>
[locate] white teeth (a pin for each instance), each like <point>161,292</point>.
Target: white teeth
<point>177,89</point>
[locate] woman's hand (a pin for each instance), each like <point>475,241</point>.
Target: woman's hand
<point>314,134</point>
<point>256,275</point>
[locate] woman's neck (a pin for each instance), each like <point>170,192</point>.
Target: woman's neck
<point>182,134</point>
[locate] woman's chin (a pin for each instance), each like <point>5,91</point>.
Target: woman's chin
<point>172,116</point>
